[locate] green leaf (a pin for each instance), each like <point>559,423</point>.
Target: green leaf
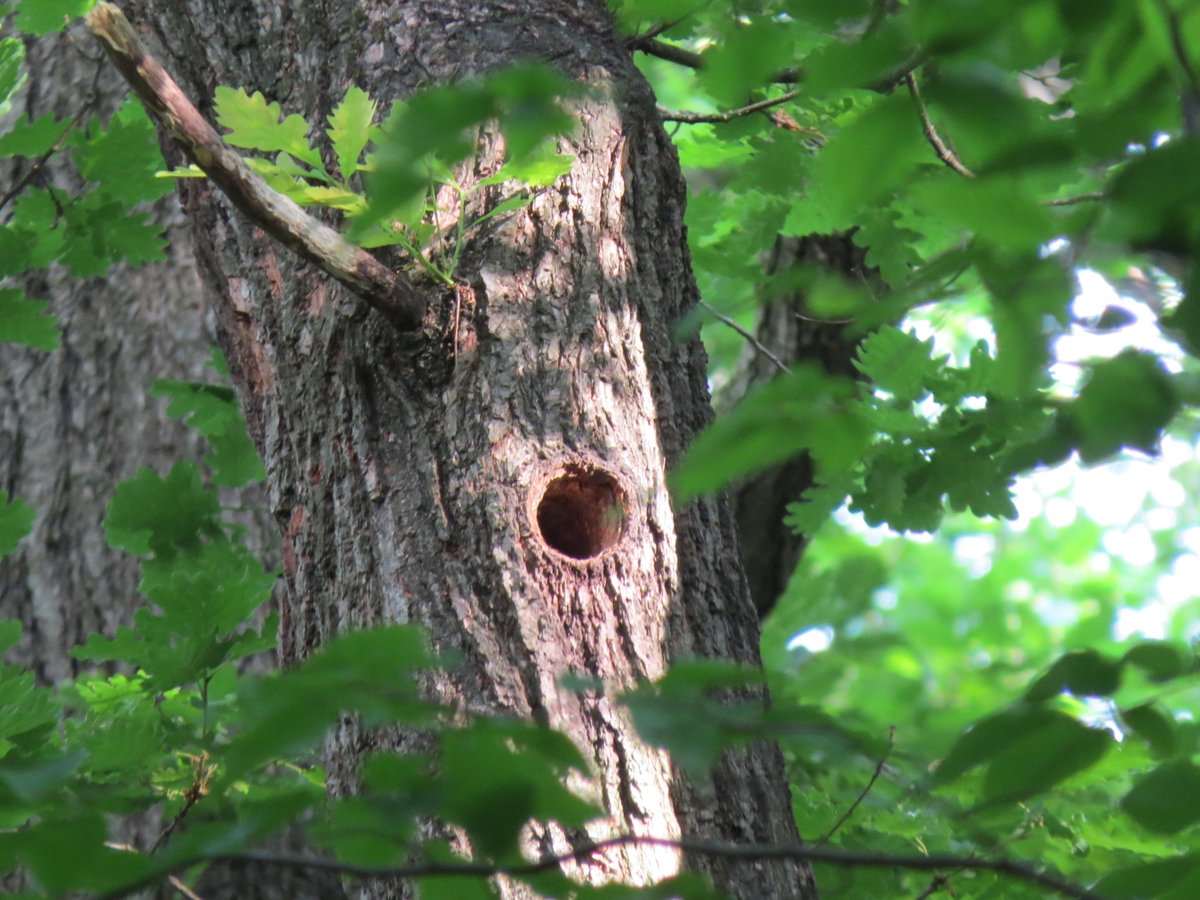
<point>25,707</point>
<point>806,410</point>
<point>12,55</point>
<point>434,130</point>
<point>212,411</point>
<point>350,129</point>
<point>101,232</point>
<point>1167,800</point>
<point>745,59</point>
<point>1154,726</point>
<point>1035,762</point>
<point>512,204</point>
<point>1178,877</point>
<point>24,321</point>
<point>124,159</point>
<point>149,514</point>
<point>200,598</point>
<point>32,138</point>
<point>44,16</point>
<point>520,781</point>
<point>1085,673</point>
<point>216,589</point>
<point>16,520</point>
<point>30,780</point>
<point>371,673</point>
<point>995,209</point>
<point>10,634</point>
<point>1161,661</point>
<point>540,168</point>
<point>1128,401</point>
<point>988,737</point>
<point>814,507</point>
<point>897,361</point>
<point>699,709</point>
<point>255,124</point>
<point>885,140</point>
<point>1155,195</point>
<point>36,214</point>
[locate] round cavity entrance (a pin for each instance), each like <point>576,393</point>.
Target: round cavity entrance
<point>581,512</point>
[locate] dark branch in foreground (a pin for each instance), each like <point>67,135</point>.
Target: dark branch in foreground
<point>747,852</point>
<point>279,216</point>
<point>693,118</point>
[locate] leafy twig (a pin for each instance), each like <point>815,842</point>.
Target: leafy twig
<point>944,153</point>
<point>845,817</point>
<point>681,56</point>
<point>746,852</point>
<point>721,317</point>
<point>693,118</point>
<point>191,797</point>
<point>40,162</point>
<point>384,289</point>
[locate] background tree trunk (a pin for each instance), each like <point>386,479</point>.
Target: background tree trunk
<point>428,478</point>
<point>770,550</point>
<point>75,421</point>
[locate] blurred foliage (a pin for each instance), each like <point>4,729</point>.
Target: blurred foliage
<point>944,682</point>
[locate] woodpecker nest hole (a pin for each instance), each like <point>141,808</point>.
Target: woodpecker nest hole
<point>581,512</point>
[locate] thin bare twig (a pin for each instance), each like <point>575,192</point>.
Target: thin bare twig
<point>936,884</point>
<point>172,880</point>
<point>845,817</point>
<point>1093,197</point>
<point>384,289</point>
<point>944,153</point>
<point>830,856</point>
<point>694,118</point>
<point>721,317</point>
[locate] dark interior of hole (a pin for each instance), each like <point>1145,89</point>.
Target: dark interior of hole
<point>581,514</point>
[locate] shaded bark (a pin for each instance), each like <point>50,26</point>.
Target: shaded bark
<point>408,472</point>
<point>75,421</point>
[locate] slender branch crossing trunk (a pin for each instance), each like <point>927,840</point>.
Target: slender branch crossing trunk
<point>498,476</point>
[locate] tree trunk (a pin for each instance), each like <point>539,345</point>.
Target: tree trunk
<point>770,550</point>
<point>75,421</point>
<point>498,477</point>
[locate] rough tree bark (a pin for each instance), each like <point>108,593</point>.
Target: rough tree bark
<point>76,421</point>
<point>467,477</point>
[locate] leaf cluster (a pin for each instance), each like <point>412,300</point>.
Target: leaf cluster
<point>387,177</point>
